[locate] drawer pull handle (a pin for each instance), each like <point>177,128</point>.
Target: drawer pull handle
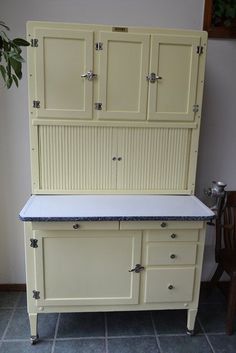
<point>172,256</point>
<point>138,268</point>
<point>76,226</point>
<point>170,287</point>
<point>163,225</point>
<point>173,235</point>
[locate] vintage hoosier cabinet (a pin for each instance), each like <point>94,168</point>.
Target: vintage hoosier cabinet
<point>115,115</point>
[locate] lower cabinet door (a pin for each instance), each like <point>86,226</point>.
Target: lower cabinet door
<point>169,285</point>
<point>87,267</point>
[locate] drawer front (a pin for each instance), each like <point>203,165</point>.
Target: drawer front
<point>76,226</point>
<point>171,254</point>
<point>161,225</point>
<point>169,285</point>
<point>172,235</point>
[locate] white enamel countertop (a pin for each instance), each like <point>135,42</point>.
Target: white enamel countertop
<point>114,207</point>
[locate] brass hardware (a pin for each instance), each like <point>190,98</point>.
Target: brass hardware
<point>170,287</point>
<point>138,268</point>
<point>172,256</point>
<point>173,235</point>
<point>76,226</point>
<point>163,225</point>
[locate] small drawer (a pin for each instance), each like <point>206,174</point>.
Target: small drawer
<point>145,225</point>
<point>75,226</point>
<point>170,254</point>
<point>173,235</point>
<point>169,285</point>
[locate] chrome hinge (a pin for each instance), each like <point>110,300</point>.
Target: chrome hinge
<point>34,42</point>
<point>36,104</point>
<point>195,108</point>
<point>98,106</point>
<point>200,49</point>
<point>99,46</point>
<point>36,294</point>
<point>34,243</point>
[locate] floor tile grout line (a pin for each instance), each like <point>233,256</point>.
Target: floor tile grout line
<point>55,333</point>
<point>106,333</point>
<point>205,334</point>
<point>11,317</point>
<point>156,335</point>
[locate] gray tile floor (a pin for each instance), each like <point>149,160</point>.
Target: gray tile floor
<point>116,332</point>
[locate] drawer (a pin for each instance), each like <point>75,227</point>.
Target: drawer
<point>161,225</point>
<point>173,235</point>
<point>170,254</point>
<point>169,285</point>
<point>76,226</point>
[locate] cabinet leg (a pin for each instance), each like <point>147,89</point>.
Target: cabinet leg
<point>33,320</point>
<point>192,313</point>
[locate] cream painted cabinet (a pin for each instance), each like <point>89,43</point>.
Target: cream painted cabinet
<point>104,266</point>
<point>101,73</point>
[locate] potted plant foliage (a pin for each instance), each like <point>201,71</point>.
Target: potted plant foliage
<point>10,56</point>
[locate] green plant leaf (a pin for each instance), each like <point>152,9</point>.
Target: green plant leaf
<point>9,82</point>
<point>20,42</point>
<point>16,67</point>
<point>15,80</point>
<point>3,72</point>
<point>4,25</point>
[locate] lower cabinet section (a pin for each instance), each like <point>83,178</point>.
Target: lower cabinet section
<point>96,266</point>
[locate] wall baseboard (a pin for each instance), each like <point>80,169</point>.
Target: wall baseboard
<point>19,287</point>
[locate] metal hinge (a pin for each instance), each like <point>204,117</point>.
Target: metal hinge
<point>195,108</point>
<point>36,294</point>
<point>36,104</point>
<point>34,42</point>
<point>34,243</point>
<point>200,49</point>
<point>99,46</point>
<point>98,106</point>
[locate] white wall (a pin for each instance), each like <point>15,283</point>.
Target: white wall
<point>218,126</point>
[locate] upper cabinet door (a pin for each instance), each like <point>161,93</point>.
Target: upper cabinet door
<point>174,60</point>
<point>62,56</point>
<point>122,80</point>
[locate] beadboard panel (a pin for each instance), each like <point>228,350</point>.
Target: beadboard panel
<point>76,158</point>
<point>110,159</point>
<point>154,159</point>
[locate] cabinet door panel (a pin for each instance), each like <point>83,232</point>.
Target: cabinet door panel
<point>153,159</point>
<point>77,158</point>
<point>169,285</point>
<point>62,57</point>
<point>91,268</point>
<point>122,80</point>
<point>175,60</point>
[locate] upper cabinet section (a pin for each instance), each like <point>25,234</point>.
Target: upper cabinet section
<point>116,74</point>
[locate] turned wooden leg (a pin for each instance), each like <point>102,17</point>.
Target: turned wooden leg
<point>33,319</point>
<point>192,313</point>
<point>231,310</point>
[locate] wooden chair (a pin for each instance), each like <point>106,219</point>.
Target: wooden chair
<point>225,253</point>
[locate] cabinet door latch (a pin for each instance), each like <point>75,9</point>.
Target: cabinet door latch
<point>138,268</point>
<point>98,106</point>
<point>34,243</point>
<point>152,77</point>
